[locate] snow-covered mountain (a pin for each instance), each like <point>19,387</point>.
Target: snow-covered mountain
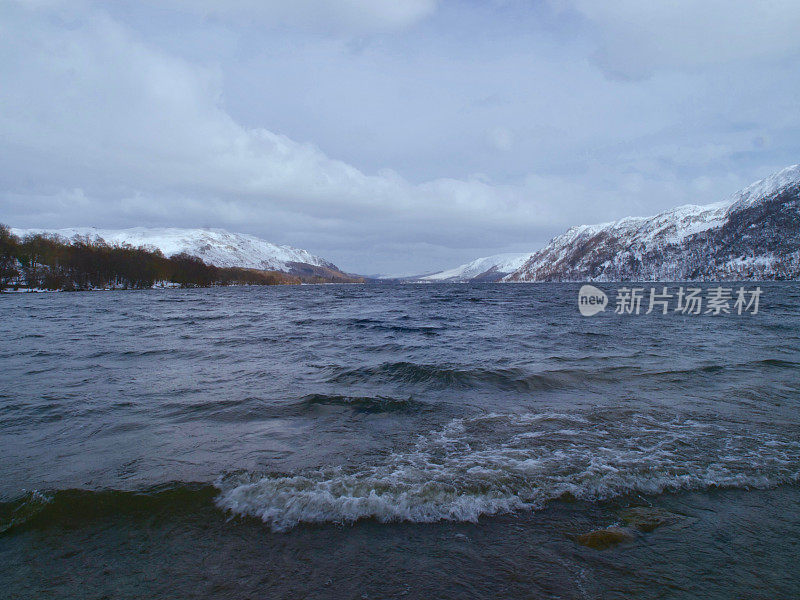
<point>489,268</point>
<point>214,246</point>
<point>753,235</point>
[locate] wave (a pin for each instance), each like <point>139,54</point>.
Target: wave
<point>500,463</point>
<point>397,325</point>
<point>254,407</point>
<point>42,509</point>
<point>371,404</point>
<point>439,376</point>
<point>469,468</point>
<point>521,380</point>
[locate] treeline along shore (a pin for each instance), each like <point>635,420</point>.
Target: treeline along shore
<point>50,262</point>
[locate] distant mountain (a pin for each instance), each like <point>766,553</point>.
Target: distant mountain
<point>753,235</point>
<point>490,268</point>
<point>215,247</point>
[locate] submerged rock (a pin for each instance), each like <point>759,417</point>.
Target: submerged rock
<point>646,519</point>
<point>600,539</point>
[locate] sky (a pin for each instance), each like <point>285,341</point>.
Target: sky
<point>392,137</point>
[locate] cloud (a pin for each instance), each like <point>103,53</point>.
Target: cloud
<point>99,125</point>
<point>495,143</point>
<point>327,16</point>
<point>636,38</point>
<point>500,138</point>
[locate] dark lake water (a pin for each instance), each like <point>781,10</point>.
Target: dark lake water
<point>439,441</point>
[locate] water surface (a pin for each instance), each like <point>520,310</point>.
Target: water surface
<point>394,441</point>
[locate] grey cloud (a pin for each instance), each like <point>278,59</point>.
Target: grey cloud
<point>457,135</point>
<point>328,16</point>
<point>637,38</point>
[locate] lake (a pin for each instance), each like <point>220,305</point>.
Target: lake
<point>396,441</point>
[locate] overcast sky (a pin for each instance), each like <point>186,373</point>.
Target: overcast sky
<point>389,136</point>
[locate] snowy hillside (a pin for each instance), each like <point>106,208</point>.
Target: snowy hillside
<point>489,268</point>
<point>214,246</point>
<point>754,234</point>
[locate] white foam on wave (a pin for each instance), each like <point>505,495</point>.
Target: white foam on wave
<point>500,463</point>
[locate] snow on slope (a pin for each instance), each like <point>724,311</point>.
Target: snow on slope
<point>595,251</point>
<point>637,234</point>
<point>758,190</point>
<point>214,246</point>
<point>499,264</point>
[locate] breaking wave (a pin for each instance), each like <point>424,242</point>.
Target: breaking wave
<point>500,463</point>
<point>471,467</point>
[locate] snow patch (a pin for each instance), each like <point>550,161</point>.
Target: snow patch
<point>214,246</point>
<point>499,263</point>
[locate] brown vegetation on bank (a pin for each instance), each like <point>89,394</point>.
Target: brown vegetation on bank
<point>47,261</point>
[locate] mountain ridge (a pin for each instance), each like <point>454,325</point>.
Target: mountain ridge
<point>216,247</point>
<point>755,233</point>
<point>486,268</point>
